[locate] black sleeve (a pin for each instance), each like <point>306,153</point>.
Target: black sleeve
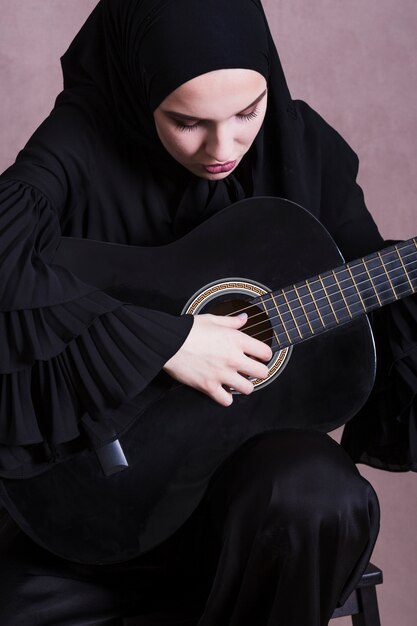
<point>67,349</point>
<point>384,432</point>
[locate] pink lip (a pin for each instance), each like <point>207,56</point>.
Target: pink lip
<point>222,167</point>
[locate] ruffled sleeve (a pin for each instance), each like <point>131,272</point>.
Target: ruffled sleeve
<point>68,350</point>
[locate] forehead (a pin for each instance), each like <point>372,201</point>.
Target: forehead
<point>216,93</point>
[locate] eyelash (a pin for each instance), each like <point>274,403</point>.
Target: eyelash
<point>242,118</point>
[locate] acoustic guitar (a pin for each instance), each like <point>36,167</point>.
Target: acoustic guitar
<point>270,258</point>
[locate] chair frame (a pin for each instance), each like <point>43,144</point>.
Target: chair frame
<point>362,604</point>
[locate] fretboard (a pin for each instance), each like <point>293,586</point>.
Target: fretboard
<point>320,303</point>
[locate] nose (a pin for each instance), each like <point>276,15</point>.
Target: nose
<point>220,143</point>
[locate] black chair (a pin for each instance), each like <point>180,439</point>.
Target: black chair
<point>362,603</point>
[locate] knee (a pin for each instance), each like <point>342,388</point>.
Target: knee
<point>304,476</point>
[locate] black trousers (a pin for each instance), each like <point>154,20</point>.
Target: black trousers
<point>282,536</point>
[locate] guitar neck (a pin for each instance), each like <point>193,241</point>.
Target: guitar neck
<point>325,301</point>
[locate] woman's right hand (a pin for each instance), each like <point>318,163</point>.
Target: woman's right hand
<point>217,354</point>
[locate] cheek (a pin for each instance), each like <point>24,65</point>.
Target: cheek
<point>246,133</point>
<point>251,133</point>
<point>184,143</point>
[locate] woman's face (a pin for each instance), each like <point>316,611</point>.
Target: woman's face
<point>210,122</point>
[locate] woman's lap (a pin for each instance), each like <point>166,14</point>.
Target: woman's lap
<point>287,515</point>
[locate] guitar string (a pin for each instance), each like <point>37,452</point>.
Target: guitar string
<point>348,279</point>
<point>302,317</point>
<point>315,281</point>
<point>285,334</point>
<point>283,338</point>
<point>353,296</point>
<point>303,323</point>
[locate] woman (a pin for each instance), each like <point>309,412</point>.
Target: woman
<point>170,112</point>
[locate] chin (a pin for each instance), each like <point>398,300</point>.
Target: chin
<point>219,176</point>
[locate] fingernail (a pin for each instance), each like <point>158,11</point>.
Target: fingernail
<point>243,316</point>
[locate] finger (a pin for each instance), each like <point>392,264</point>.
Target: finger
<point>253,368</point>
<point>255,348</point>
<point>222,396</point>
<point>240,383</point>
<point>233,321</point>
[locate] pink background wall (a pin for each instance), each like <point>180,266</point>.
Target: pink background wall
<point>356,63</point>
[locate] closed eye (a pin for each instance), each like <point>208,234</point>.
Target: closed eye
<point>243,117</point>
<point>248,116</point>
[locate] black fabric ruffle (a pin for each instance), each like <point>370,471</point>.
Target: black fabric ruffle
<point>40,334</point>
<point>83,353</point>
<point>108,363</point>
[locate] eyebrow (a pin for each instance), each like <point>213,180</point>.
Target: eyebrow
<point>190,118</point>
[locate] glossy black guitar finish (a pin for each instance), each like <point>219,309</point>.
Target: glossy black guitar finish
<point>180,436</point>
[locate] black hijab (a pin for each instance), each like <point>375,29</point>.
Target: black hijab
<point>128,56</point>
<point>97,169</point>
<point>133,54</point>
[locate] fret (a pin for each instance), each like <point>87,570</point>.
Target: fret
<point>356,287</point>
<point>279,338</point>
<point>280,318</point>
<point>342,294</point>
<point>287,317</point>
<point>350,291</point>
<point>304,309</point>
<point>398,277</point>
<point>335,296</point>
<point>292,314</point>
<point>315,303</point>
<point>365,286</point>
<point>387,275</point>
<point>409,256</point>
<point>413,261</point>
<point>310,309</point>
<point>404,269</point>
<point>273,329</point>
<point>328,299</point>
<point>371,281</point>
<point>379,279</point>
<point>299,312</point>
<point>322,302</point>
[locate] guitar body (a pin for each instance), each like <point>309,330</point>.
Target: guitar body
<point>180,436</point>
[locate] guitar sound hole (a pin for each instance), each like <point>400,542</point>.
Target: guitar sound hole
<point>257,326</point>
